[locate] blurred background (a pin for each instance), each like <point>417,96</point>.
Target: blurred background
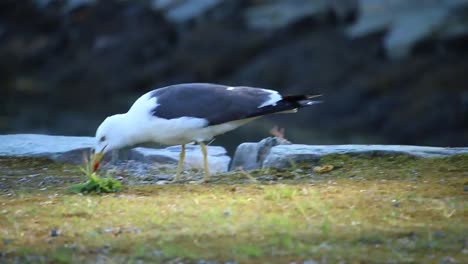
<point>391,71</point>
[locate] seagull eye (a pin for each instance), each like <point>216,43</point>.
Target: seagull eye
<point>102,139</point>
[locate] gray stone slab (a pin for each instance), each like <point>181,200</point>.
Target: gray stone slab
<point>283,155</point>
<point>218,160</point>
<point>71,149</point>
<point>57,148</point>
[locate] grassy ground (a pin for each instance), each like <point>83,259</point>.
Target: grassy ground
<point>366,210</point>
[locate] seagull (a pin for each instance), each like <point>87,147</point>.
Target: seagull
<point>191,113</point>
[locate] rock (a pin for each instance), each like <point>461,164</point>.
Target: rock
<point>412,28</point>
<point>54,233</point>
<point>68,5</point>
<point>279,14</point>
<point>274,15</point>
<point>41,3</point>
<point>71,149</point>
<point>409,22</point>
<point>245,157</point>
<point>343,9</point>
<point>7,241</point>
<point>163,4</point>
<point>75,4</point>
<point>447,260</point>
<point>217,156</point>
<point>57,148</point>
<point>282,155</point>
<point>373,18</point>
<point>439,234</point>
<point>250,156</point>
<point>265,145</point>
<point>180,11</point>
<point>165,177</point>
<point>162,182</point>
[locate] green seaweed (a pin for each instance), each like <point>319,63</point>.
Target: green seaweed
<point>97,184</point>
<point>94,182</point>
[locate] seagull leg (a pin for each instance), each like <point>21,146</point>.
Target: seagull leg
<point>180,166</point>
<point>205,162</point>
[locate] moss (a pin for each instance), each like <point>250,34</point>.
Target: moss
<point>367,209</point>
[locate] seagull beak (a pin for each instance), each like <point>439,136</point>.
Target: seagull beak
<point>98,158</point>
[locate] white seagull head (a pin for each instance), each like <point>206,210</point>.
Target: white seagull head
<point>111,135</point>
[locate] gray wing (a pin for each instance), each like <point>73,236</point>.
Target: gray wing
<point>219,103</point>
<point>216,103</point>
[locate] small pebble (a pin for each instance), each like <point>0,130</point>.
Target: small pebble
<point>162,182</point>
<point>465,188</point>
<point>202,261</point>
<point>7,241</point>
<point>324,246</point>
<point>54,233</point>
<point>109,230</point>
<point>150,178</point>
<point>446,260</point>
<point>23,180</point>
<point>165,177</point>
<point>133,230</point>
<point>92,234</point>
<point>439,234</point>
<point>120,178</point>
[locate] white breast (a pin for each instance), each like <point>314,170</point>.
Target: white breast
<point>187,129</point>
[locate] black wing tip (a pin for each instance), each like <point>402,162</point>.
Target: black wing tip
<point>310,102</point>
<point>301,97</point>
<point>312,96</point>
<point>304,100</point>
